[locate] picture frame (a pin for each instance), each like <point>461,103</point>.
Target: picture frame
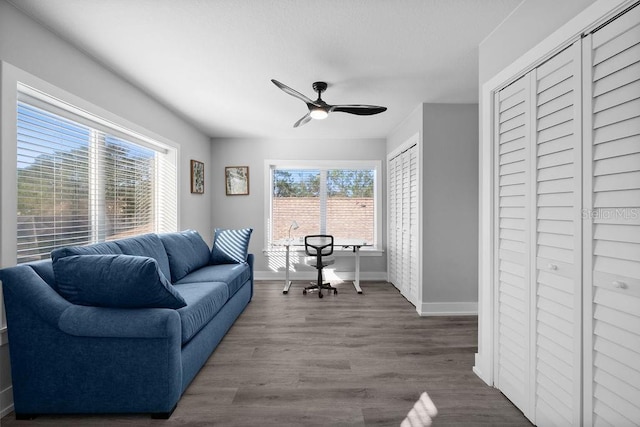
<point>236,179</point>
<point>197,177</point>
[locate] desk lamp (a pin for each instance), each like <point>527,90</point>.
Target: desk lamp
<point>294,225</point>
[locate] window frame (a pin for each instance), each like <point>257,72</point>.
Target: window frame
<point>163,167</point>
<point>376,165</point>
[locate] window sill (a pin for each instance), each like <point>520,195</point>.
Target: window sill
<point>337,251</point>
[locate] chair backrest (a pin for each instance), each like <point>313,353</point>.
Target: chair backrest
<point>318,244</point>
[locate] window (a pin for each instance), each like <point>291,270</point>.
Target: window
<point>82,180</point>
<point>337,198</point>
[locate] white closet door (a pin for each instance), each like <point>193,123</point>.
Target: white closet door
<point>393,221</point>
<point>403,223</point>
<point>512,361</point>
<point>557,234</point>
<point>406,219</point>
<point>612,226</point>
<point>413,224</point>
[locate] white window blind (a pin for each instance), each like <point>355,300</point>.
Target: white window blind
<point>332,200</point>
<point>81,182</point>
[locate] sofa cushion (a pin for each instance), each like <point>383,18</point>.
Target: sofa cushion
<point>119,281</point>
<point>148,245</point>
<point>104,248</point>
<point>233,275</point>
<point>204,300</point>
<point>230,246</point>
<point>186,251</point>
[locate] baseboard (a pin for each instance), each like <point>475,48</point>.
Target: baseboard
<point>6,401</point>
<point>478,370</point>
<point>311,275</point>
<point>448,309</point>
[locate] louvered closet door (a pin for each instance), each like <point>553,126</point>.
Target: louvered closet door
<point>406,221</point>
<point>413,224</point>
<point>557,275</point>
<point>393,220</point>
<point>612,229</point>
<point>512,270</point>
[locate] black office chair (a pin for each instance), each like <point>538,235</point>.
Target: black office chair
<point>319,248</point>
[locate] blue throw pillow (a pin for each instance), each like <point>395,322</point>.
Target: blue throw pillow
<point>230,246</point>
<point>118,281</point>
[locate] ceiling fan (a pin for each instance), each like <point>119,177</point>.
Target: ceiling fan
<point>319,109</point>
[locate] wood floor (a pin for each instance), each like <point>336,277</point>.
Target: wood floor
<point>344,360</point>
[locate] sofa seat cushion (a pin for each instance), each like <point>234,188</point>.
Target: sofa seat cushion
<point>204,300</point>
<point>233,275</point>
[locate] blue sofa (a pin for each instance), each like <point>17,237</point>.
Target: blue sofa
<point>100,329</point>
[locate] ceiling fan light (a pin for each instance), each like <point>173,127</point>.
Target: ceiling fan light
<point>318,113</point>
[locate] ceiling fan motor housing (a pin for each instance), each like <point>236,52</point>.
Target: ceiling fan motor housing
<point>319,87</point>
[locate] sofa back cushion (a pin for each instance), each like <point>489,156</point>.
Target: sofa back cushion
<point>104,248</point>
<point>117,281</point>
<point>230,246</point>
<point>186,251</point>
<point>148,245</point>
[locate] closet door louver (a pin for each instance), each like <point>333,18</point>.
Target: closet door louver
<point>557,234</point>
<point>513,266</point>
<point>612,223</point>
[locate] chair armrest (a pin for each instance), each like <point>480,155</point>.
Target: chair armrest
<point>103,322</point>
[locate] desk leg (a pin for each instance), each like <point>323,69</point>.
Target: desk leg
<point>356,282</point>
<point>287,282</point>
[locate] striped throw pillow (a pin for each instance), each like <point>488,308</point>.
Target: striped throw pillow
<point>230,246</point>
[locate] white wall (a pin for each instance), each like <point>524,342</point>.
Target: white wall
<point>249,211</point>
<point>450,203</point>
<point>30,47</point>
<point>530,23</point>
<point>448,155</point>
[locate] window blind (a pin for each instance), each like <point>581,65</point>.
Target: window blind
<point>80,184</point>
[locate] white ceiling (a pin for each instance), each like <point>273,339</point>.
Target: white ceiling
<point>211,61</point>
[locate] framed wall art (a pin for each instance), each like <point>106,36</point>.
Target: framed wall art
<point>197,177</point>
<point>236,180</point>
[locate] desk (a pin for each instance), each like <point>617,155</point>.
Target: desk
<point>344,243</point>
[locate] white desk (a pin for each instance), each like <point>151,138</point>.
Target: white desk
<point>345,243</point>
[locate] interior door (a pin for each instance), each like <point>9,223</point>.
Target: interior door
<point>557,234</point>
<point>414,217</point>
<point>512,319</point>
<point>394,184</point>
<point>406,225</point>
<point>612,223</point>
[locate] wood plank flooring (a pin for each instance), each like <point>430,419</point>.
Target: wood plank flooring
<point>343,360</point>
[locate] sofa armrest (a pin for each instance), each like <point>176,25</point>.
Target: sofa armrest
<point>84,321</point>
<point>23,287</point>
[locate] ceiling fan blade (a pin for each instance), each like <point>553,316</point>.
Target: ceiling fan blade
<point>293,92</point>
<point>303,120</point>
<point>361,110</point>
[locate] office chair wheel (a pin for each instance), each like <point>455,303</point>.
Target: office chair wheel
<point>335,292</point>
<point>304,292</point>
<point>320,295</point>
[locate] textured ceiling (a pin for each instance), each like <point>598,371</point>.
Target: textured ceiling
<point>211,61</point>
